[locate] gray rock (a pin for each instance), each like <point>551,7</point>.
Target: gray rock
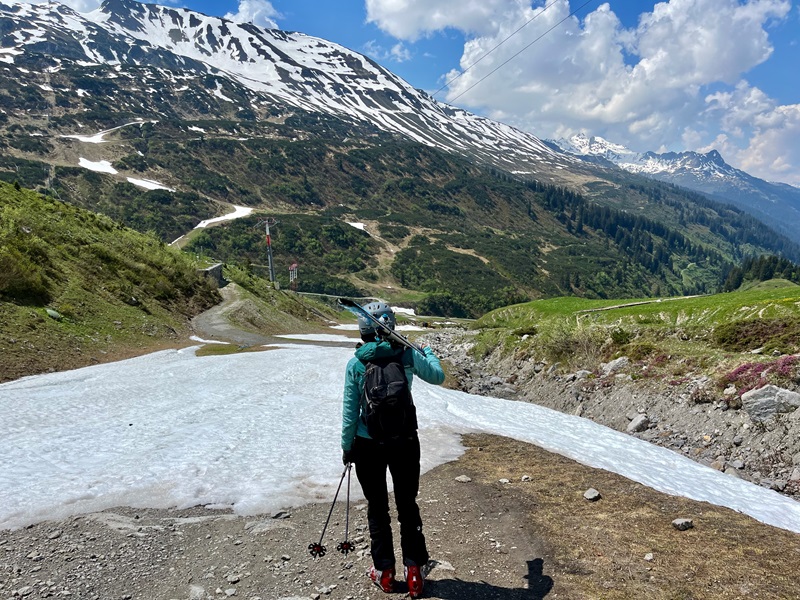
<point>639,424</point>
<point>615,365</point>
<point>683,524</point>
<point>463,479</point>
<point>592,495</point>
<point>766,402</point>
<point>53,314</point>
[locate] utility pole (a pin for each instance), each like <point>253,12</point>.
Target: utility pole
<point>267,223</point>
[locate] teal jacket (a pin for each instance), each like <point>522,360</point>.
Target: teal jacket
<point>427,367</point>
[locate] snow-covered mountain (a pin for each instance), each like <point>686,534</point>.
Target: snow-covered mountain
<point>776,204</point>
<point>594,148</point>
<point>276,68</point>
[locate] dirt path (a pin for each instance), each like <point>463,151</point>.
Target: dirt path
<point>213,324</point>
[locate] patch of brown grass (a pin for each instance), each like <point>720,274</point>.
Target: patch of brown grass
<point>597,550</point>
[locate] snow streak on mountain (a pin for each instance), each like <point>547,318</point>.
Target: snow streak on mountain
<point>295,69</point>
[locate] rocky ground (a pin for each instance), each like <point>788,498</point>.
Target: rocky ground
<point>689,415</point>
<point>507,521</point>
<point>474,530</point>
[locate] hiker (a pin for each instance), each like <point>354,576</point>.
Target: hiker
<point>374,441</point>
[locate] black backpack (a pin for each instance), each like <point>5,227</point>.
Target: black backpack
<point>389,410</point>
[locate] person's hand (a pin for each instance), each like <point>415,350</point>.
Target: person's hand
<point>348,456</point>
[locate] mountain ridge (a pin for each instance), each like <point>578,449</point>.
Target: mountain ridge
<point>306,72</point>
<point>777,204</point>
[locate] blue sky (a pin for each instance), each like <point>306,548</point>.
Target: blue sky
<point>673,75</point>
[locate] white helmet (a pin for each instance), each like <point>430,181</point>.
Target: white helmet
<point>381,311</point>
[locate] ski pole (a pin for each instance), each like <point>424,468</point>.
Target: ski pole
<point>347,546</point>
<point>318,549</point>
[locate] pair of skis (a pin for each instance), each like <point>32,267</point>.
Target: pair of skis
<point>384,331</point>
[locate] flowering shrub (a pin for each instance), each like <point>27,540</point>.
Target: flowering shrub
<point>753,375</point>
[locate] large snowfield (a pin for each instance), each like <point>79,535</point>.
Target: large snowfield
<point>260,432</point>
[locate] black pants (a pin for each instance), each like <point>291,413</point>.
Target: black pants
<point>402,459</point>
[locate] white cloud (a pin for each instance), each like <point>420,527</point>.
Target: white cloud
<point>412,19</point>
<point>772,151</point>
<point>257,12</point>
<point>400,53</point>
<point>397,53</point>
<point>676,80</point>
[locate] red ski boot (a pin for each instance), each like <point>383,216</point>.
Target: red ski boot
<point>383,579</point>
<point>415,580</point>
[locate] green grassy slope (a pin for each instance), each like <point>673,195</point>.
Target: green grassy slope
<point>719,333</point>
<point>108,289</point>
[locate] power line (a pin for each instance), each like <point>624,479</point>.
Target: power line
<point>533,18</point>
<point>501,65</point>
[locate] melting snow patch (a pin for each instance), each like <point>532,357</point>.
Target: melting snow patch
<point>149,185</point>
<point>199,129</point>
<point>102,166</point>
<point>409,328</point>
<point>88,454</point>
<point>316,337</point>
<point>240,211</point>
<point>97,138</point>
<point>194,338</point>
<point>218,93</point>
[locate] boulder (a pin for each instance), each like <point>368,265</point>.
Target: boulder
<point>766,402</point>
<point>592,495</point>
<point>683,524</point>
<point>615,365</point>
<point>638,424</point>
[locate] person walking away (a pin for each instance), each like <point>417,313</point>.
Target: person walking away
<point>379,432</point>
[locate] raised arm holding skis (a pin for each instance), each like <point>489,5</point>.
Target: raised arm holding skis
<point>379,432</point>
